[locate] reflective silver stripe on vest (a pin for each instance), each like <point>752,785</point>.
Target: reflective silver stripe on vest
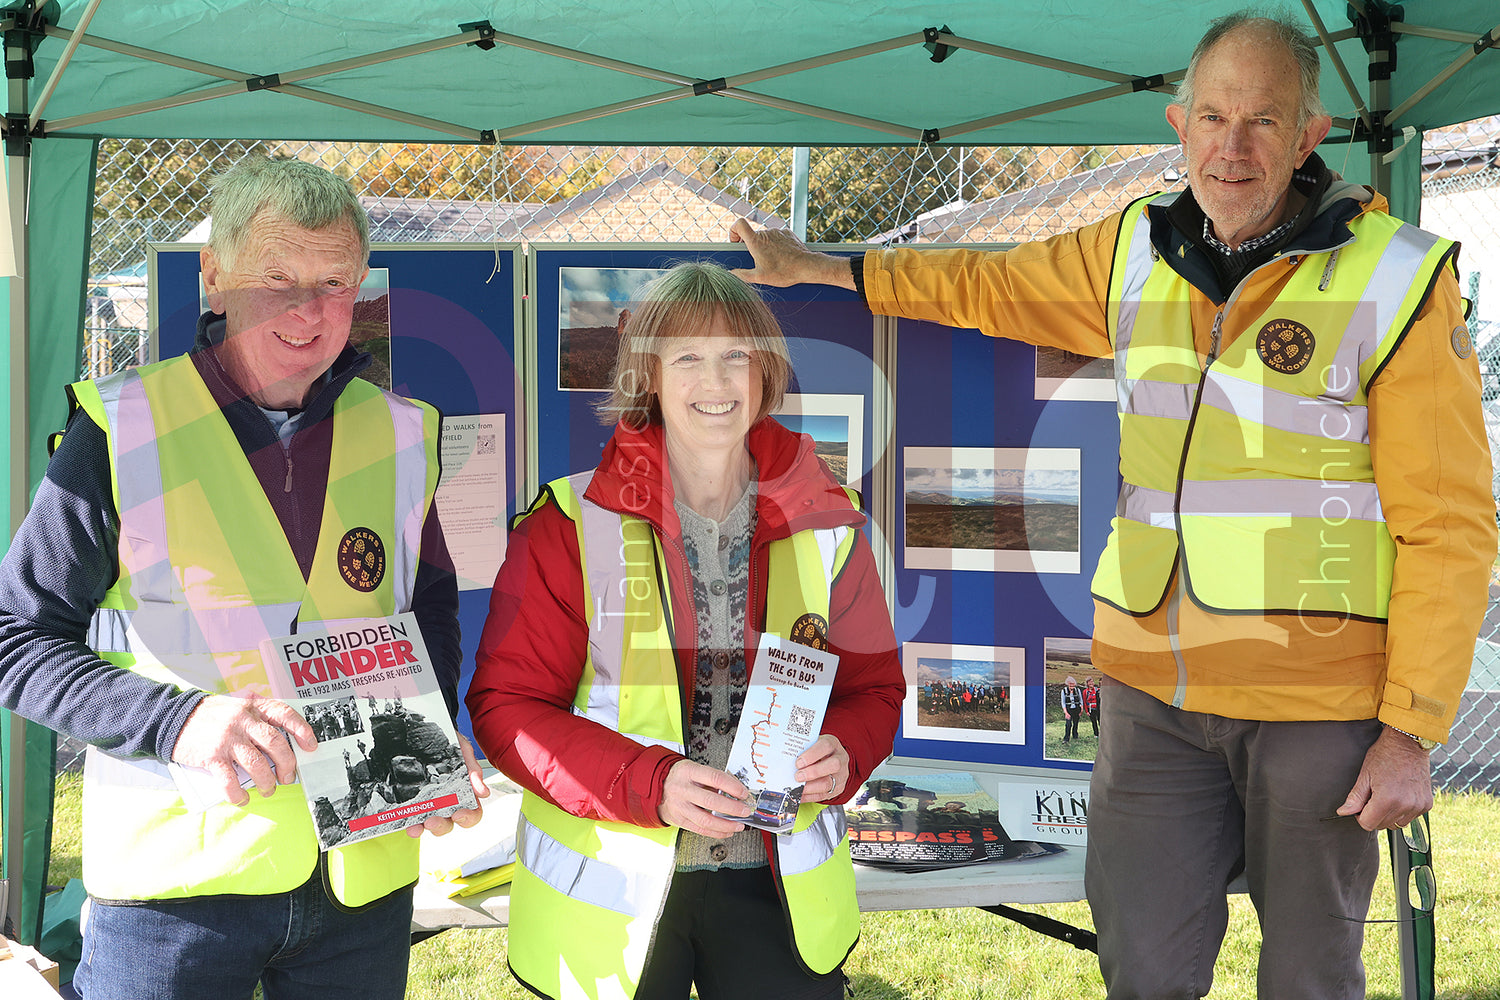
<point>1137,269</point>
<point>602,535</point>
<point>1148,506</point>
<point>1392,278</point>
<point>587,879</point>
<point>1148,398</point>
<point>411,496</point>
<point>1258,404</point>
<point>801,852</point>
<point>829,540</point>
<point>136,460</point>
<point>102,769</point>
<point>109,631</point>
<point>1332,500</point>
<point>606,563</point>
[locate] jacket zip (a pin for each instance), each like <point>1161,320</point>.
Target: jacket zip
<point>1179,592</point>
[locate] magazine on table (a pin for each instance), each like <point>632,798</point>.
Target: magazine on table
<point>781,717</point>
<point>387,754</point>
<point>918,823</point>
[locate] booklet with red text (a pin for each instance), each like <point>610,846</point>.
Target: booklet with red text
<point>387,754</point>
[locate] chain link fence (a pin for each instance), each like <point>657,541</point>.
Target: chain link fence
<point>1461,200</point>
<point>156,191</point>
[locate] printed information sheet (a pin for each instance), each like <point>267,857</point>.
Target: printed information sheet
<point>471,496</point>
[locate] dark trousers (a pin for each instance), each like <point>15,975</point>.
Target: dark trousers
<point>725,930</point>
<point>1179,803</point>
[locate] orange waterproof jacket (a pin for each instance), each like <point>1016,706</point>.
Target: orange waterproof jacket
<point>1429,450</point>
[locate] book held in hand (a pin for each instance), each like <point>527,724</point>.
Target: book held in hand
<point>782,716</point>
<point>387,754</point>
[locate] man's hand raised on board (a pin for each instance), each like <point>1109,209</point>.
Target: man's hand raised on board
<point>781,259</point>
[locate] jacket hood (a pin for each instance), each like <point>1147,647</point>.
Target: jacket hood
<point>795,491</point>
<point>1342,190</point>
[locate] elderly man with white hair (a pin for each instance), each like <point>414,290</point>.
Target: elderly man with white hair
<point>1286,607</point>
<point>193,508</point>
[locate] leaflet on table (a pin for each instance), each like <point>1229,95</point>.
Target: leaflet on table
<point>387,754</point>
<point>923,821</point>
<point>1052,809</point>
<point>783,714</point>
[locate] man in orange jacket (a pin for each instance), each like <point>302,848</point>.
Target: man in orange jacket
<point>1299,397</point>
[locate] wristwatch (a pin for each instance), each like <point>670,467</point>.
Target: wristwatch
<point>1421,741</point>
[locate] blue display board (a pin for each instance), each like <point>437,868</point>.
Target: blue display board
<point>1003,457</point>
<point>454,313</point>
<point>1006,478</point>
<point>577,294</point>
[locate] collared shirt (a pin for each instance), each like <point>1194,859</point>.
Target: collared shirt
<point>1249,246</point>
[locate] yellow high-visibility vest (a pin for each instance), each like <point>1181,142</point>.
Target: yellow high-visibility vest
<point>1255,470</point>
<point>206,573</point>
<point>586,895</point>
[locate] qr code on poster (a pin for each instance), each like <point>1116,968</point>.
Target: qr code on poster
<point>484,444</point>
<point>800,720</point>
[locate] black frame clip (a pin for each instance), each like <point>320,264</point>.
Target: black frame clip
<point>1374,29</point>
<point>25,34</point>
<point>701,87</point>
<point>931,44</point>
<point>18,134</point>
<point>486,31</point>
<point>1378,137</point>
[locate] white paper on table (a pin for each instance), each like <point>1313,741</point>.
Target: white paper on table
<point>782,716</point>
<point>471,496</point>
<point>1052,810</point>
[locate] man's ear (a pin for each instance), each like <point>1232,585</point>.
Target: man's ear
<point>1177,118</point>
<point>1313,133</point>
<point>213,279</point>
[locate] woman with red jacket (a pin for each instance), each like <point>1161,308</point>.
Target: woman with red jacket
<point>613,667</point>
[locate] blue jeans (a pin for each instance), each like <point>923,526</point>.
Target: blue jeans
<point>299,945</point>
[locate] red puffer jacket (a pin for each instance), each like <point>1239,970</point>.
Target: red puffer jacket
<point>531,654</point>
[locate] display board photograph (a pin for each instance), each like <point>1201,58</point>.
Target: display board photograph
<point>1005,486</point>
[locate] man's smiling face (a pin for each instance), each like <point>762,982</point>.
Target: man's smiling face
<point>1241,135</point>
<point>288,297</point>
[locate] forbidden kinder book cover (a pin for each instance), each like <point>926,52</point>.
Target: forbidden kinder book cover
<point>387,754</point>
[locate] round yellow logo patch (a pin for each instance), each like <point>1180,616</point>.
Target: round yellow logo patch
<point>1285,345</point>
<point>361,559</point>
<point>811,630</point>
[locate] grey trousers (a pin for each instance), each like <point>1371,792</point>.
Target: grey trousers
<point>1180,803</point>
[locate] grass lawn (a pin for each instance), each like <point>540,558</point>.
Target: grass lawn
<point>967,954</point>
